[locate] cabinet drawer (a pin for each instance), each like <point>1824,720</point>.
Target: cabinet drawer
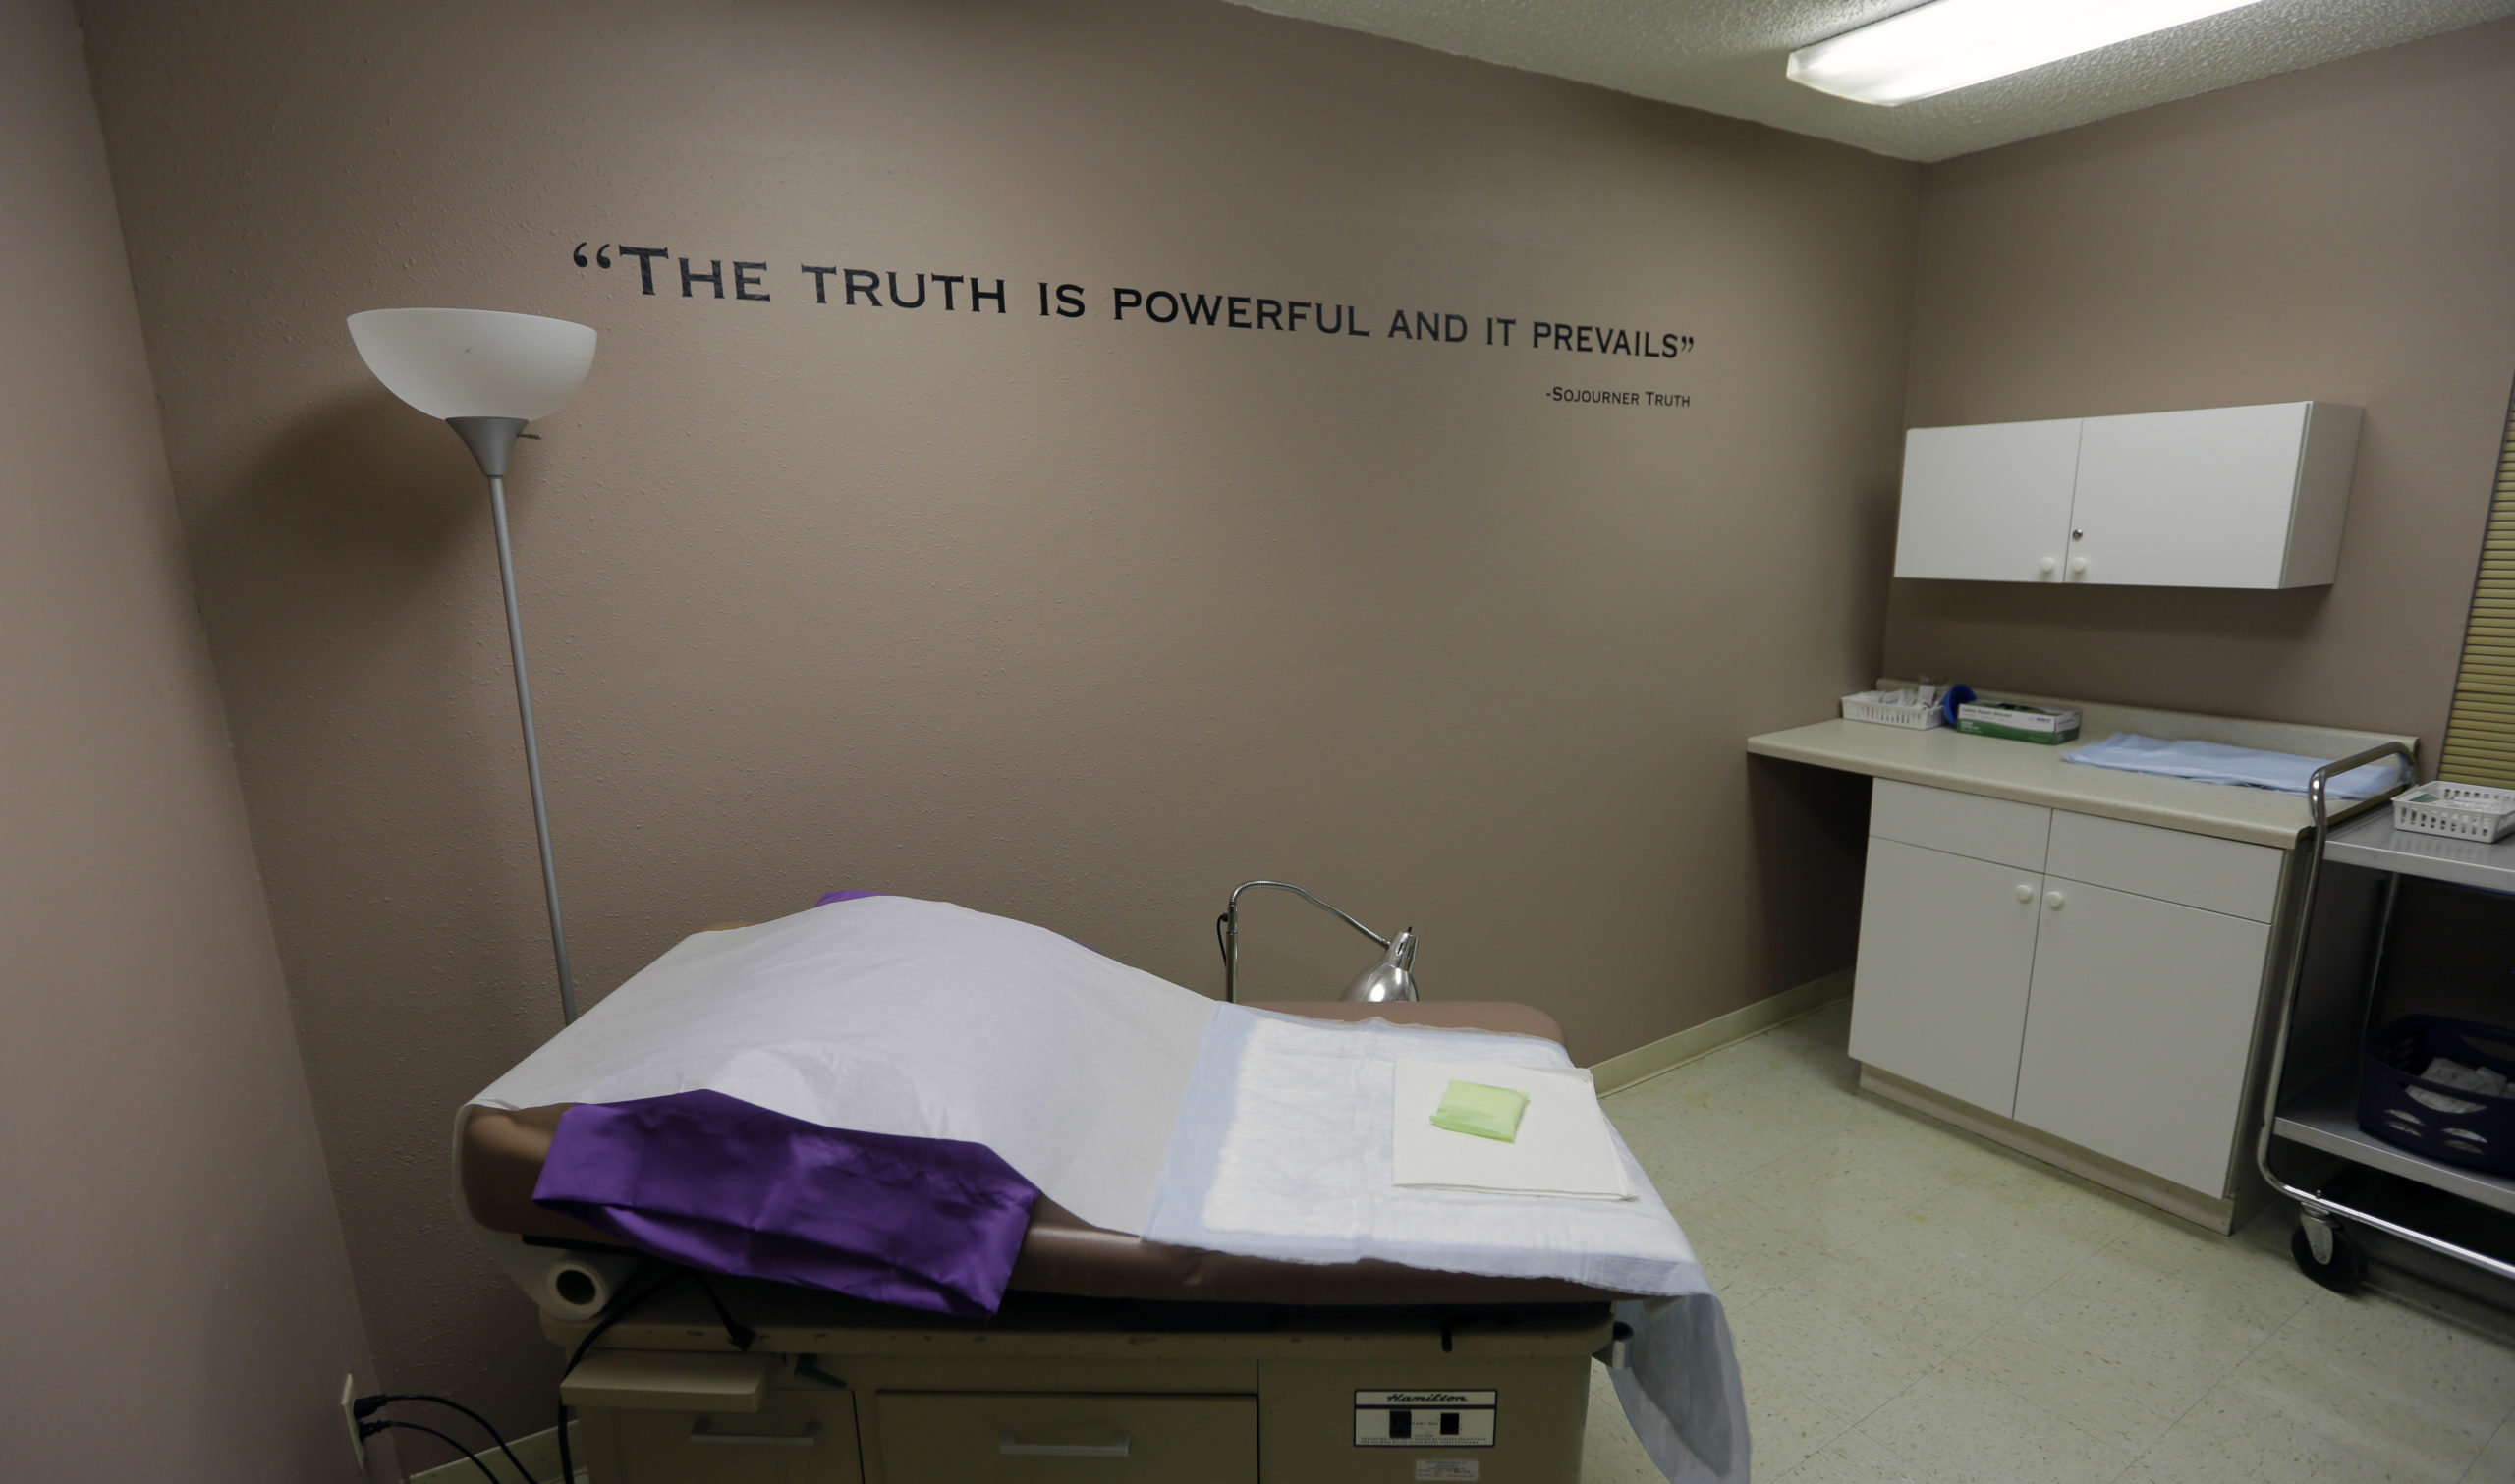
<point>794,1437</point>
<point>1996,830</point>
<point>1019,1438</point>
<point>2197,870</point>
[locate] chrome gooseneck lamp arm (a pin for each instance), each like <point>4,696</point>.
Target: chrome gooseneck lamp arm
<point>491,441</point>
<point>1391,978</point>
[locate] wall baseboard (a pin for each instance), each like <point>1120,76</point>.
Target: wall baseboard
<point>539,1453</point>
<point>1669,1052</point>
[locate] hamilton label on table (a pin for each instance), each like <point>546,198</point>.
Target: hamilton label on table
<point>1431,1418</point>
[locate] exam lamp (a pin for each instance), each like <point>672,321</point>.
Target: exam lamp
<point>1391,978</point>
<point>488,374</point>
<point>1949,45</point>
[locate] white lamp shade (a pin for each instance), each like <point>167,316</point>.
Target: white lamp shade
<point>474,362</point>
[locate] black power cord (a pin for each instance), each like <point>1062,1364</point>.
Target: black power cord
<point>739,1332</point>
<point>366,1406</point>
<point>371,1428</point>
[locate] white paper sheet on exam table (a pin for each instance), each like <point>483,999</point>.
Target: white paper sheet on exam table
<point>1283,1151</point>
<point>889,1014</point>
<point>1562,1149</point>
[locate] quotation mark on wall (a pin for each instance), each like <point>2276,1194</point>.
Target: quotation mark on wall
<point>601,255</point>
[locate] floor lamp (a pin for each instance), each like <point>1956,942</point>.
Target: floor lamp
<point>488,374</point>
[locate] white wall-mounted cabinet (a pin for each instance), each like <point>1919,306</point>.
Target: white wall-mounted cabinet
<point>2090,979</point>
<point>1986,501</point>
<point>2224,497</point>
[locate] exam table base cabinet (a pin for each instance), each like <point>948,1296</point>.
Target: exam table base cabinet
<point>2089,979</point>
<point>1102,1407</point>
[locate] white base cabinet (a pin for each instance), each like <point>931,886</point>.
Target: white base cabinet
<point>2118,1014</point>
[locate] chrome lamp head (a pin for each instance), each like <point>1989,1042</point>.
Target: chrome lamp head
<point>1391,978</point>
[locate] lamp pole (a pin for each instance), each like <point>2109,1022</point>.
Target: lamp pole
<point>491,440</point>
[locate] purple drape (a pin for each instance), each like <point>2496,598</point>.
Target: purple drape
<point>726,1186</point>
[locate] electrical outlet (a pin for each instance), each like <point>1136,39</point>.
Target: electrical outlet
<point>349,1415</point>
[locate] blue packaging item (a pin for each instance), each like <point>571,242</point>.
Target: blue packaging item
<point>2217,762</point>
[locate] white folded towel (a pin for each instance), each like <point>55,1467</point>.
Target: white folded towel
<point>2456,1074</point>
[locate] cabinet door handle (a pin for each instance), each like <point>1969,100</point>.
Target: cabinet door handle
<point>2051,565</point>
<point>2053,900</point>
<point>1009,1444</point>
<point>2078,565</point>
<point>2025,891</point>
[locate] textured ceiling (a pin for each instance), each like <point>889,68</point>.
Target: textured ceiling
<point>1726,56</point>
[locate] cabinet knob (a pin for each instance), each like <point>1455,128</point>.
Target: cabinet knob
<point>2053,900</point>
<point>2051,566</point>
<point>2078,565</point>
<point>2025,891</point>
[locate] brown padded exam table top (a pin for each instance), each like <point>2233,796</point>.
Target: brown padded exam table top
<point>499,1156</point>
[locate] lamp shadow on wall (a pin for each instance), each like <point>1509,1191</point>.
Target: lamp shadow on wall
<point>359,496</point>
<point>351,590</point>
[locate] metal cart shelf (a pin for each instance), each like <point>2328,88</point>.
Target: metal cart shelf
<point>2374,844</point>
<point>2326,1119</point>
<point>2324,1116</point>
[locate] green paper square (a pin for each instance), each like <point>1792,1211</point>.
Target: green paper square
<point>1486,1112</point>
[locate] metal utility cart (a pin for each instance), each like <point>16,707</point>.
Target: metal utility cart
<point>2323,1115</point>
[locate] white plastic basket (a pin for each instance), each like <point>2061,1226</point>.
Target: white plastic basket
<point>2462,810</point>
<point>1894,708</point>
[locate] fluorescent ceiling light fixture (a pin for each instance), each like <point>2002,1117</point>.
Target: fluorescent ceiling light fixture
<point>1949,45</point>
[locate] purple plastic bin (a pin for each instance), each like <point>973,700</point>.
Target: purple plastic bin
<point>2481,1140</point>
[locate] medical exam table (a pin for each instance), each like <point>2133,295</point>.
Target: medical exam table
<point>1111,1359</point>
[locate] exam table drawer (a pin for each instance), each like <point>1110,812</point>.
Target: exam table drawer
<point>1018,1438</point>
<point>796,1437</point>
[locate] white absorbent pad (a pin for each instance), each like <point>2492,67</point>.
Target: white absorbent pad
<point>1564,1148</point>
<point>888,1015</point>
<point>1285,1150</point>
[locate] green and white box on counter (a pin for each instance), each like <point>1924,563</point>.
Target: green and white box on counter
<point>2049,725</point>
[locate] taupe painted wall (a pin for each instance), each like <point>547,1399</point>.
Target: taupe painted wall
<point>1081,622</point>
<point>178,1299</point>
<point>2346,233</point>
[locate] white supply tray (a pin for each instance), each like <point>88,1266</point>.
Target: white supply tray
<point>1894,708</point>
<point>2461,810</point>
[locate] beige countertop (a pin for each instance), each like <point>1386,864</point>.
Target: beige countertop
<point>1943,757</point>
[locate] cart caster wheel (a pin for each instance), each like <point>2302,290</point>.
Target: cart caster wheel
<point>2347,1268</point>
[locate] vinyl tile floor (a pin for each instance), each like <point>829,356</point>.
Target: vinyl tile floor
<point>1915,1305</point>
